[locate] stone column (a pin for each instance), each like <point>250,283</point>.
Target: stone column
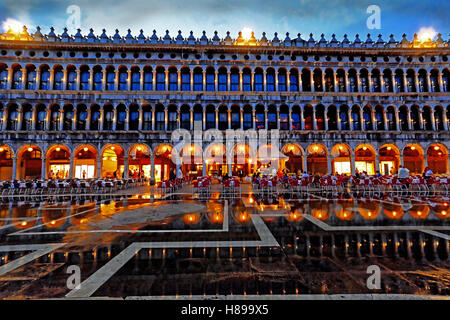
<point>77,86</point>
<point>311,80</point>
<point>253,118</point>
<point>125,167</point>
<point>166,120</point>
<point>14,167</point>
<point>166,80</point>
<point>99,165</point>
<point>44,166</point>
<point>266,120</point>
<point>217,118</point>
<point>154,79</point>
<point>352,164</point>
<point>91,79</point>
<point>71,169</point>
<point>24,78</point>
<point>302,119</point>
<point>305,162</point>
<point>152,168</point>
<point>229,118</point>
<point>377,160</point>
<point>128,80</point>
<point>38,79</point>
<point>10,78</point>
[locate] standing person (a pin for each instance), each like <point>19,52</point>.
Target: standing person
<point>172,175</point>
<point>84,174</point>
<point>427,173</point>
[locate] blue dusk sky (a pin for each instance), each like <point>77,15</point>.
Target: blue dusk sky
<point>293,16</point>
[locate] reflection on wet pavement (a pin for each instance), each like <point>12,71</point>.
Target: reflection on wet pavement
<point>216,246</point>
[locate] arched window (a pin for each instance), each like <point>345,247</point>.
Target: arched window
<point>282,80</point>
<point>439,118</point>
<point>121,117</point>
<point>84,76</point>
<point>246,80</point>
<point>364,79</point>
<point>329,80</point>
<point>134,117</point>
<point>403,118</point>
<point>352,81</point>
<point>58,78</point>
<point>379,117</point>
<point>41,113</point>
<point>320,117</point>
<point>308,117</point>
<point>356,121</point>
<point>259,80</point>
<point>272,117</point>
<point>17,78</point>
<point>173,79</point>
<point>148,79</point>
<point>71,78</point>
<point>367,115</point>
<point>317,78</point>
<point>387,78</point>
<point>222,80</point>
<point>260,119</point>
<point>123,79</point>
<point>68,117</point>
<point>198,79</point>
<point>248,117</point>
<point>234,79</point>
<point>210,117</point>
<point>426,115</point>
<point>270,80</point>
<point>210,79</point>
<point>284,117</point>
<point>376,82</point>
<point>415,118</point>
<point>45,78</point>
<point>340,78</point>
<point>54,118</point>
<point>410,81</point>
<point>293,80</point>
<point>235,117</point>
<point>98,78</point>
<point>27,112</point>
<point>445,80</point>
<point>95,118</point>
<point>31,78</point>
<point>343,116</point>
<point>185,117</point>
<point>159,118</point>
<point>434,80</point>
<point>3,77</point>
<point>110,77</point>
<point>332,118</point>
<point>306,80</point>
<point>295,118</point>
<point>82,115</point>
<point>398,78</point>
<point>185,79</point>
<point>422,80</point>
<point>146,117</point>
<point>223,118</point>
<point>108,117</point>
<point>198,115</point>
<point>135,79</point>
<point>160,79</point>
<point>391,119</point>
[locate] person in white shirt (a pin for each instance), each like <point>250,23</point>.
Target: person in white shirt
<point>403,173</point>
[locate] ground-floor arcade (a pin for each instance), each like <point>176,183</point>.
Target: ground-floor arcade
<point>156,161</point>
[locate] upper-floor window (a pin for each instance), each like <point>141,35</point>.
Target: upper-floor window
<point>135,80</point>
<point>198,80</point>
<point>185,80</point>
<point>123,79</point>
<point>45,79</point>
<point>84,79</point>
<point>210,81</point>
<point>282,80</point>
<point>3,78</point>
<point>17,78</point>
<point>270,80</point>
<point>259,81</point>
<point>293,79</point>
<point>71,79</point>
<point>98,78</point>
<point>148,79</point>
<point>31,80</point>
<point>160,80</point>
<point>173,80</point>
<point>58,79</point>
<point>222,80</point>
<point>234,80</point>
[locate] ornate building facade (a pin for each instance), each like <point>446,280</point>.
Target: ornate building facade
<point>98,106</point>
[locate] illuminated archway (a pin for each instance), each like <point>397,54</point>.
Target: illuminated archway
<point>163,162</point>
<point>85,162</point>
<point>437,158</point>
<point>317,161</point>
<point>139,162</point>
<point>365,159</point>
<point>389,159</point>
<point>413,158</point>
<point>243,160</point>
<point>191,160</point>
<point>215,159</point>
<point>341,159</point>
<point>6,162</point>
<point>29,164</point>
<point>113,163</point>
<point>294,163</point>
<point>58,162</point>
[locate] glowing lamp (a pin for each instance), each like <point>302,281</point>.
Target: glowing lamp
<point>413,148</point>
<point>85,149</point>
<point>389,148</point>
<point>1,149</point>
<point>112,148</point>
<point>364,148</point>
<point>30,149</point>
<point>58,149</point>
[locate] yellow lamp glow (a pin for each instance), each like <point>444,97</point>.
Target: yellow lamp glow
<point>426,34</point>
<point>58,149</point>
<point>30,149</point>
<point>85,149</point>
<point>1,149</point>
